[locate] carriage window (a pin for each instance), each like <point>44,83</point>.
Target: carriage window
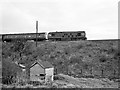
<point>52,34</point>
<point>42,74</point>
<point>65,34</point>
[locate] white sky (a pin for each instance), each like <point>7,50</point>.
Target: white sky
<point>99,18</point>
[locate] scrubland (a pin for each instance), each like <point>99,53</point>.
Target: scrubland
<point>95,62</point>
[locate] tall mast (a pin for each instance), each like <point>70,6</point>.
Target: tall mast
<point>36,31</point>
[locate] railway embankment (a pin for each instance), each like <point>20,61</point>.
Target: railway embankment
<point>78,59</point>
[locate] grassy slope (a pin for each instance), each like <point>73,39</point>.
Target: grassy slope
<point>0,56</point>
<point>78,58</point>
<point>82,57</point>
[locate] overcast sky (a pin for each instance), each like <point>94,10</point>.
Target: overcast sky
<point>99,18</point>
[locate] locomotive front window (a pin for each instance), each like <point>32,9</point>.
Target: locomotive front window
<point>82,34</point>
<point>79,34</point>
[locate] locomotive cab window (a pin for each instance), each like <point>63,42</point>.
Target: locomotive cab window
<point>79,34</point>
<point>82,34</point>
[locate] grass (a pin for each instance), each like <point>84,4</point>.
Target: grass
<point>70,57</point>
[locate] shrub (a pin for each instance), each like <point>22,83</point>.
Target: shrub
<point>9,71</point>
<point>67,50</point>
<point>54,85</point>
<point>89,44</point>
<point>17,46</point>
<point>58,77</point>
<point>89,76</point>
<point>76,59</point>
<point>79,46</point>
<point>103,59</point>
<point>117,54</point>
<point>21,83</point>
<point>111,50</point>
<point>35,83</point>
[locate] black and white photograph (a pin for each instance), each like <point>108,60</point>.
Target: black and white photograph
<point>59,44</point>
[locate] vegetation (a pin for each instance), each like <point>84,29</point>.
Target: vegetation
<point>9,71</point>
<point>74,58</point>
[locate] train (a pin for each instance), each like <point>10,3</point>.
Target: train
<point>51,36</point>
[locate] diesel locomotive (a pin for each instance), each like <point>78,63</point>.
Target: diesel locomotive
<point>51,36</point>
<point>69,36</point>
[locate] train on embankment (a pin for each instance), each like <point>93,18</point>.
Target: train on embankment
<point>51,36</point>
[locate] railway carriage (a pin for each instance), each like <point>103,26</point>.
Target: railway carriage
<point>25,37</point>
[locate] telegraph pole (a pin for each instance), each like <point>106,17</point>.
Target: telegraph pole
<point>36,31</point>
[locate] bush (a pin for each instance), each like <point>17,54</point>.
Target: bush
<point>89,44</point>
<point>54,85</point>
<point>89,76</point>
<point>9,71</point>
<point>117,54</point>
<point>58,77</point>
<point>35,83</point>
<point>111,50</point>
<point>17,46</point>
<point>21,83</point>
<point>103,59</point>
<point>115,78</point>
<point>79,46</point>
<point>67,50</point>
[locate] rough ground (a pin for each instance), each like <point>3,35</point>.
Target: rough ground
<point>71,82</point>
<point>74,58</point>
